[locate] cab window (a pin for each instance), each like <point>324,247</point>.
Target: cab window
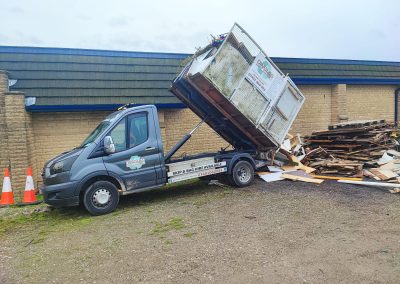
<point>118,135</point>
<point>138,129</point>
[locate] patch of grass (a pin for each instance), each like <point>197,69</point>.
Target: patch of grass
<point>18,219</point>
<point>160,229</point>
<point>117,212</point>
<point>40,238</point>
<point>168,242</point>
<point>188,234</point>
<point>116,242</point>
<point>199,203</point>
<point>85,220</point>
<point>225,192</point>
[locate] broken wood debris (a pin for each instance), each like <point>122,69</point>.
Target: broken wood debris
<point>346,152</point>
<point>291,176</point>
<point>346,148</point>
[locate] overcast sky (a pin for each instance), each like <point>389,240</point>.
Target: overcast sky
<point>350,29</point>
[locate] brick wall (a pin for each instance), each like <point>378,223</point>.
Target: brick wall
<point>370,102</point>
<point>327,105</point>
<point>3,124</point>
<point>19,139</point>
<point>339,111</point>
<point>316,111</point>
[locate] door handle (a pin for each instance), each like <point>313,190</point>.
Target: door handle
<point>150,148</point>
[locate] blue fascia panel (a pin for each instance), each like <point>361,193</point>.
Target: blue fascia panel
<point>92,107</point>
<point>349,81</point>
<point>333,61</point>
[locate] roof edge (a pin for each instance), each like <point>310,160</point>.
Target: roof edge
<point>334,61</point>
<point>91,107</point>
<point>90,52</point>
<point>348,81</point>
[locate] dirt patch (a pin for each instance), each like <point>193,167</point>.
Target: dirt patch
<point>278,232</point>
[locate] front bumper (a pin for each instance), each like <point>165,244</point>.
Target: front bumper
<point>61,195</point>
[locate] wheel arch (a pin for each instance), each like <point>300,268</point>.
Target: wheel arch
<point>97,176</point>
<point>240,157</point>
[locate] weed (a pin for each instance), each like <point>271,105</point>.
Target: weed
<point>160,229</point>
<point>41,237</point>
<point>38,240</point>
<point>188,234</point>
<point>116,242</point>
<point>225,192</point>
<point>85,220</point>
<point>118,211</point>
<point>199,203</point>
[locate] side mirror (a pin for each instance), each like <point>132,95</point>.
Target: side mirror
<point>109,146</point>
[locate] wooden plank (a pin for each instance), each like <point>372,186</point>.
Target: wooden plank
<point>300,166</point>
<point>352,157</point>
<point>392,166</point>
<point>329,172</point>
<point>335,177</point>
<point>299,178</point>
<point>383,174</point>
<point>319,140</point>
<point>347,146</point>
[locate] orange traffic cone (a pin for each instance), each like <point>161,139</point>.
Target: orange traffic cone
<point>29,193</point>
<point>7,196</point>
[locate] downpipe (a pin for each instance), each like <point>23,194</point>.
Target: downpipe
<point>396,107</point>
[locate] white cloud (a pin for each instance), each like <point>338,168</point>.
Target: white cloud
<point>316,29</point>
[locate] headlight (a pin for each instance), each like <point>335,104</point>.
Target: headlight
<point>63,165</point>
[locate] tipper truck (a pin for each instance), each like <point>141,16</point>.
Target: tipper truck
<point>231,84</point>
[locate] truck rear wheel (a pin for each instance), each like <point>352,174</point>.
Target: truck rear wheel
<point>101,198</point>
<point>242,174</point>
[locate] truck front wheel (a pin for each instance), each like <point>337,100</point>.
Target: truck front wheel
<point>101,198</point>
<point>242,174</point>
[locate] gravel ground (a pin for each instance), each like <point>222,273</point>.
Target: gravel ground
<point>268,233</point>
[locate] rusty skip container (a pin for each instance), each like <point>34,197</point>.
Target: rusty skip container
<point>242,85</point>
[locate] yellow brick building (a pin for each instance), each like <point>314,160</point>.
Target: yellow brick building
<point>50,99</point>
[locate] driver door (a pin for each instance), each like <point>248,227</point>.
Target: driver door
<point>137,152</point>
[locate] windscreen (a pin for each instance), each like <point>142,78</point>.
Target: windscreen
<point>100,128</point>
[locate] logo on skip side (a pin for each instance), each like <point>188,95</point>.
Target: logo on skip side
<point>135,162</point>
<point>264,69</point>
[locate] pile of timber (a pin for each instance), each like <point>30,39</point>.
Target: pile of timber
<point>346,148</point>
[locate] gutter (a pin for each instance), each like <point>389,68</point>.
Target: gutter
<point>396,107</point>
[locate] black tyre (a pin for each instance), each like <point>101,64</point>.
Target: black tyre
<point>100,198</point>
<point>242,174</point>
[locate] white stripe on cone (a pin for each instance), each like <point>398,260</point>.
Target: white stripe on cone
<point>29,183</point>
<point>6,185</point>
